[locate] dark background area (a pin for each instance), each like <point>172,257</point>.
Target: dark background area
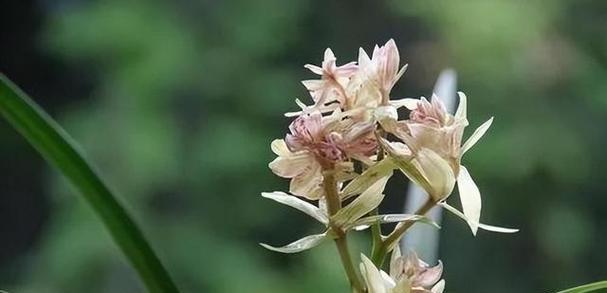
<point>177,102</point>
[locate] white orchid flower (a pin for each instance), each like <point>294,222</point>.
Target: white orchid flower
<point>432,152</point>
<point>407,275</point>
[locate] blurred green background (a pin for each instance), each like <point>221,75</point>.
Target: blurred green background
<point>177,102</point>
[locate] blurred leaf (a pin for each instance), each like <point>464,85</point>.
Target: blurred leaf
<point>586,288</point>
<point>55,145</point>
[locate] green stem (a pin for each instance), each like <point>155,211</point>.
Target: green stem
<point>378,257</point>
<point>58,148</point>
<point>375,233</point>
<point>341,240</point>
<point>376,227</point>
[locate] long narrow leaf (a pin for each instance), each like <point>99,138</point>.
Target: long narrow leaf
<point>587,288</point>
<point>57,147</point>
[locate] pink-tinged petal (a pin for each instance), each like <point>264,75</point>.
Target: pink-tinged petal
<point>389,64</point>
<point>346,70</point>
<point>429,276</point>
<point>470,197</point>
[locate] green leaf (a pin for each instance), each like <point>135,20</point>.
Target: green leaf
<point>58,148</point>
<point>586,288</point>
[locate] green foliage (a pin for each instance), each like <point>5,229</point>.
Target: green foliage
<point>587,288</point>
<point>58,148</point>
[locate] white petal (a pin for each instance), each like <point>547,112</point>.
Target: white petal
<point>279,147</point>
<point>288,164</point>
<point>399,74</point>
<point>313,84</point>
<point>390,218</point>
<point>408,103</point>
<point>299,245</point>
<point>329,55</point>
<point>363,58</point>
<point>438,173</point>
<point>314,68</point>
<point>385,113</point>
<point>470,197</point>
<point>372,276</point>
<point>298,204</point>
<point>362,205</point>
<point>395,268</point>
<point>308,183</point>
<point>480,225</point>
<point>460,114</point>
<point>478,133</point>
<point>439,287</point>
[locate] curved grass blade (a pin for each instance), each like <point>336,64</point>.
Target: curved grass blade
<point>587,288</point>
<point>57,147</point>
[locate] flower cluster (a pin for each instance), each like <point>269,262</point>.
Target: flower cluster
<point>342,149</point>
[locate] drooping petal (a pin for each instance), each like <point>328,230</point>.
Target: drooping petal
<point>437,172</point>
<point>480,225</point>
<point>470,197</point>
<point>308,183</point>
<point>439,287</point>
<point>478,133</point>
<point>372,277</point>
<point>299,245</point>
<point>363,223</point>
<point>298,204</point>
<point>362,205</point>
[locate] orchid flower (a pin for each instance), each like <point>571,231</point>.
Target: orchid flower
<point>407,275</point>
<point>432,152</point>
<point>333,80</point>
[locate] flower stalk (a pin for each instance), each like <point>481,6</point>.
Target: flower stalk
<point>379,254</point>
<point>341,241</point>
